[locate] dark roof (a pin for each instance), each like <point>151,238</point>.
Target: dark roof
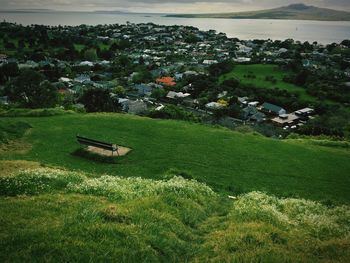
<point>142,89</point>
<point>272,107</point>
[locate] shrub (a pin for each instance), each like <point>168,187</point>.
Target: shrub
<point>176,172</point>
<point>34,113</point>
<point>173,112</point>
<point>116,188</point>
<point>38,181</point>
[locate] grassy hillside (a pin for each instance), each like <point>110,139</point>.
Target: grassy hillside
<point>227,161</point>
<point>291,12</point>
<point>137,210</point>
<point>61,216</point>
<point>261,71</point>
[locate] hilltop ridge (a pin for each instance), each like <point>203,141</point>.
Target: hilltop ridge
<point>292,12</point>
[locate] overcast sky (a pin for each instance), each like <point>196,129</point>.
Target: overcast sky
<point>166,6</point>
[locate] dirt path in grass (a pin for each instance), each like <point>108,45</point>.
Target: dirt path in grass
<point>121,151</point>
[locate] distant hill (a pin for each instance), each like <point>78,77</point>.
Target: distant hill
<point>293,12</point>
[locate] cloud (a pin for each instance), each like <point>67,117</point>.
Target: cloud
<point>167,5</point>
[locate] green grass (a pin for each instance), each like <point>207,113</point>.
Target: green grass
<point>69,217</point>
<point>261,71</point>
<point>79,47</point>
<point>10,130</point>
<point>229,162</point>
<point>103,46</point>
<point>139,209</point>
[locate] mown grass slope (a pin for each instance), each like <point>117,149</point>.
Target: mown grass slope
<point>261,71</point>
<point>227,161</point>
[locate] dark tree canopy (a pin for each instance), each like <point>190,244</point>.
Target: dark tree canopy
<point>30,89</point>
<point>98,100</point>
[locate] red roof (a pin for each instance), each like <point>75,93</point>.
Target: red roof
<point>167,81</point>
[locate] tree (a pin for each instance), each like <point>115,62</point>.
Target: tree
<point>30,89</point>
<point>301,78</point>
<point>218,69</point>
<point>173,112</point>
<point>120,91</point>
<point>90,54</point>
<point>143,75</point>
<point>98,100</point>
<point>158,93</point>
<point>346,43</point>
<point>191,39</point>
<point>10,70</point>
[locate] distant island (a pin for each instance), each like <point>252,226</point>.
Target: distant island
<point>292,12</point>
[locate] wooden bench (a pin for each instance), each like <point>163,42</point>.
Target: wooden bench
<point>98,144</point>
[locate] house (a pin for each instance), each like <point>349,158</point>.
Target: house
<point>143,89</point>
<point>222,94</point>
<point>86,63</point>
<point>3,58</point>
<point>82,78</point>
<point>4,100</point>
<point>304,112</point>
<point>251,113</point>
<point>65,80</point>
<point>137,107</point>
<point>253,103</point>
<point>176,95</point>
<point>160,108</point>
<point>124,103</point>
<point>242,59</point>
<point>179,76</point>
<point>190,72</point>
<point>273,109</point>
<point>285,119</point>
<point>214,105</point>
<point>243,100</point>
<point>209,62</point>
<point>244,49</point>
<point>65,92</point>
<point>28,65</point>
<point>166,81</point>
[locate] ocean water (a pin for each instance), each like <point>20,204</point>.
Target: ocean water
<point>321,31</point>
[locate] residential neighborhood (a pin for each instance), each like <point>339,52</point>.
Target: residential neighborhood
<point>145,67</point>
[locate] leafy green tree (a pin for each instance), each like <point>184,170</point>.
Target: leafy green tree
<point>30,89</point>
<point>218,69</point>
<point>143,75</point>
<point>158,93</point>
<point>98,100</point>
<point>173,112</point>
<point>120,91</point>
<point>191,38</point>
<point>10,70</point>
<point>90,54</point>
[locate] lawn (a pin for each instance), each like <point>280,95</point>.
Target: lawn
<point>229,162</point>
<point>141,212</point>
<point>79,47</point>
<point>261,71</point>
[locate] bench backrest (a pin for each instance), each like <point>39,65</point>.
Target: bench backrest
<point>95,143</point>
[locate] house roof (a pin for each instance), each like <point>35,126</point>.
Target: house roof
<point>173,95</point>
<point>272,107</point>
<point>142,89</point>
<point>304,111</point>
<point>252,113</point>
<point>167,81</point>
<point>214,105</point>
<point>285,118</point>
